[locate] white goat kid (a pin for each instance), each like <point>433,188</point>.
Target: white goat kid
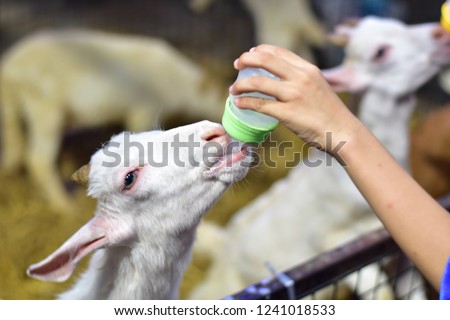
<point>318,207</point>
<point>148,211</point>
<point>79,78</point>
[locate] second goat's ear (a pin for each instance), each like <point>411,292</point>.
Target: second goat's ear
<point>342,33</point>
<point>81,176</point>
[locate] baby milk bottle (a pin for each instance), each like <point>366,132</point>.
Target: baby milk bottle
<point>247,125</point>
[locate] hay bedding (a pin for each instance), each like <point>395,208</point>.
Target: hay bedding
<point>30,230</point>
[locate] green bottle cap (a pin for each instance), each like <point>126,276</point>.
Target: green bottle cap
<point>243,131</point>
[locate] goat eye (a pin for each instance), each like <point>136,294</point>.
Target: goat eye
<point>380,54</point>
<point>129,180</point>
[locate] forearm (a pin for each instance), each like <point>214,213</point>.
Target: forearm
<point>415,220</point>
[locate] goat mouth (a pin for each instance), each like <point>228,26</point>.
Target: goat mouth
<point>230,159</point>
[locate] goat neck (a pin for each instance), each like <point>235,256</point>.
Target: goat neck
<point>387,117</point>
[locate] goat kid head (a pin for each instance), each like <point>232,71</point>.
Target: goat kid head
<point>150,184</point>
<point>388,55</point>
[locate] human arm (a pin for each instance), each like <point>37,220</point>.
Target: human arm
<point>307,105</point>
<point>416,221</point>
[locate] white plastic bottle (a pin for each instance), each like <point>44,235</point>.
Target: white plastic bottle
<point>248,125</point>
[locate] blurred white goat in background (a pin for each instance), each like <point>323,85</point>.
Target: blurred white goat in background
<point>56,80</point>
<point>289,23</point>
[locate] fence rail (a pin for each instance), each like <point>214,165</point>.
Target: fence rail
<point>326,271</point>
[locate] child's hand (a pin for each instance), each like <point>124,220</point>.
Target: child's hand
<point>305,102</point>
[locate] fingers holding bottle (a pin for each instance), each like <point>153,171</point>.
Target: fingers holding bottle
<point>305,102</point>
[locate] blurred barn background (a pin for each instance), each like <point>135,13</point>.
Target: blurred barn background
<point>211,33</point>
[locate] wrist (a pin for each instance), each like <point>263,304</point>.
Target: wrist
<point>357,144</point>
<point>349,141</point>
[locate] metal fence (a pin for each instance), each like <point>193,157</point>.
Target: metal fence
<point>339,273</point>
<point>343,273</point>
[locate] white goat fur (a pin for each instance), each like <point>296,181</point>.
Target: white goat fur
<point>316,208</point>
<point>290,24</point>
<point>145,234</point>
<point>80,78</point>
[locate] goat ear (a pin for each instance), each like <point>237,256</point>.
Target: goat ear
<point>342,33</point>
<point>338,39</point>
<point>81,176</point>
<point>338,78</point>
<point>99,232</point>
<point>342,78</point>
